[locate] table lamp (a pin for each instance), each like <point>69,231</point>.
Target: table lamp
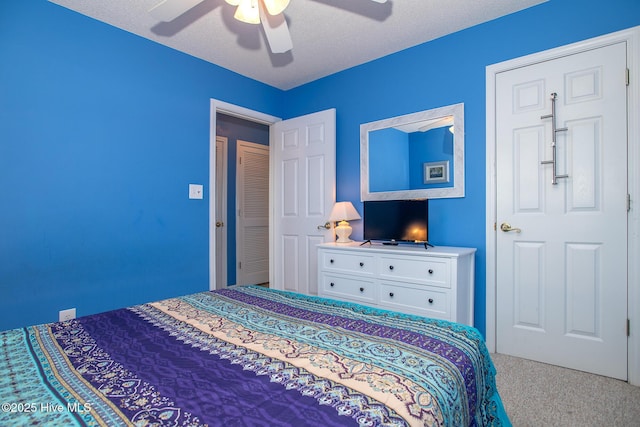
<point>341,213</point>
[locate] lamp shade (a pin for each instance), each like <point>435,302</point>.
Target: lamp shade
<point>343,211</point>
<point>247,11</point>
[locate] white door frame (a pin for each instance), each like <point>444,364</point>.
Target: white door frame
<point>632,38</point>
<point>217,106</point>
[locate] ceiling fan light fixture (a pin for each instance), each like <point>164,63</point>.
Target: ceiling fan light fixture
<point>248,12</point>
<point>275,7</point>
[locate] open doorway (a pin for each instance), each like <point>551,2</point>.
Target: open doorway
<point>231,256</point>
<point>304,140</point>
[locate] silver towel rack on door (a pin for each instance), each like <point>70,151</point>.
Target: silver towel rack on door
<point>554,131</point>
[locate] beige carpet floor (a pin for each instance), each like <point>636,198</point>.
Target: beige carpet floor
<point>536,394</point>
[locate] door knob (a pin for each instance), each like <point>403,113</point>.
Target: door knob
<point>219,224</point>
<point>506,227</point>
<point>326,225</point>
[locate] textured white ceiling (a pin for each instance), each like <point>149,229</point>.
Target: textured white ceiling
<point>328,35</point>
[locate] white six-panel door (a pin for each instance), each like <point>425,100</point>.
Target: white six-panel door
<point>561,282</point>
<point>303,161</point>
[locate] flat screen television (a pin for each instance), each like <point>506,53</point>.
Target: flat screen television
<point>393,221</point>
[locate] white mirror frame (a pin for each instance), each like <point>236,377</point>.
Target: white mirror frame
<point>457,190</point>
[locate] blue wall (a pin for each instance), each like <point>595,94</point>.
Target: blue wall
<point>101,133</point>
<point>447,71</point>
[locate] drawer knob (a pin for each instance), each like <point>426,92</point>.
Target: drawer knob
<point>362,264</point>
<point>430,271</point>
<point>391,267</point>
<point>430,300</point>
<point>361,289</point>
<point>331,261</point>
<point>391,294</point>
<point>332,284</point>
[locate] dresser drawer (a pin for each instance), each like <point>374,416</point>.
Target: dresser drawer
<point>432,271</point>
<point>348,262</point>
<point>425,301</point>
<point>436,283</point>
<point>347,287</point>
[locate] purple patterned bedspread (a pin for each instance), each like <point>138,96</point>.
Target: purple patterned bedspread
<point>247,356</point>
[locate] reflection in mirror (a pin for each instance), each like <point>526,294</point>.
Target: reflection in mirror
<point>418,155</point>
<point>421,154</point>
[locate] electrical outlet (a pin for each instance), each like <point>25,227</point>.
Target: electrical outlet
<point>67,314</point>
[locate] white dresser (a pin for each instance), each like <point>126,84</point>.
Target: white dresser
<point>437,282</point>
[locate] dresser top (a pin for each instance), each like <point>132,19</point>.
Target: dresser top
<point>402,248</point>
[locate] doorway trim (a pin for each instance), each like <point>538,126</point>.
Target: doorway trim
<point>632,38</point>
<point>218,106</point>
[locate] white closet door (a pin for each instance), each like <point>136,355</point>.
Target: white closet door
<point>252,235</point>
<point>562,268</point>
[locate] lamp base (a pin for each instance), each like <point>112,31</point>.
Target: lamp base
<point>343,231</point>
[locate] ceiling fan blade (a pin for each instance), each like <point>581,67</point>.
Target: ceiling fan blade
<point>168,10</point>
<point>380,1</point>
<point>277,31</point>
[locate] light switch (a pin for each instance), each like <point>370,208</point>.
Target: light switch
<point>195,191</point>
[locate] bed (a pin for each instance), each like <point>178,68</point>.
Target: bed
<point>247,356</point>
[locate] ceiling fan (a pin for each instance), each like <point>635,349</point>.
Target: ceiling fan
<point>269,13</point>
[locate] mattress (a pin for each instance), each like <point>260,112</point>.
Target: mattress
<point>247,356</point>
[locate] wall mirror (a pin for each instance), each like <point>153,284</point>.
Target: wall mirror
<point>415,156</point>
